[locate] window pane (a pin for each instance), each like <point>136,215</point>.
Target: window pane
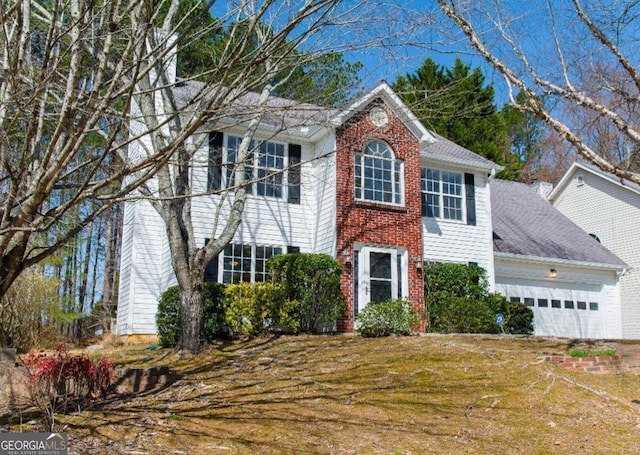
<point>452,208</point>
<point>380,265</point>
<point>380,291</point>
<point>442,187</point>
<point>378,177</point>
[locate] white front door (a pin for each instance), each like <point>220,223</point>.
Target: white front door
<point>381,275</point>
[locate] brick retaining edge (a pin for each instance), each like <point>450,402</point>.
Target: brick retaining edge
<point>601,364</point>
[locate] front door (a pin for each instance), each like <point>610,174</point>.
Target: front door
<point>381,275</point>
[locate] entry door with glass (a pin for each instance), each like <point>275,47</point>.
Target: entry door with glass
<point>381,275</point>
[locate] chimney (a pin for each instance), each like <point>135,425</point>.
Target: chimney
<point>542,189</point>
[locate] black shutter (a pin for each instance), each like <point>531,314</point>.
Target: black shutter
<point>423,175</point>
<point>470,191</point>
<point>214,177</point>
<point>295,157</point>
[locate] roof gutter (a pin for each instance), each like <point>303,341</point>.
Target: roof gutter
<point>511,257</point>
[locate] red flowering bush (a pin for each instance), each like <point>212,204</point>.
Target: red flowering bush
<point>61,381</point>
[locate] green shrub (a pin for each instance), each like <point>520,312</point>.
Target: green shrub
<point>460,280</point>
<point>580,353</point>
<point>311,289</point>
<point>457,299</point>
<point>391,317</point>
<point>520,320</point>
<point>462,315</point>
<point>254,308</point>
<point>168,315</point>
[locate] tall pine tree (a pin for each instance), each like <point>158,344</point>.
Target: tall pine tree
<point>455,103</point>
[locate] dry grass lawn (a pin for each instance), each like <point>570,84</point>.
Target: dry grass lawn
<point>352,395</point>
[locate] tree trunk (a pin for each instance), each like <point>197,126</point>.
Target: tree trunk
<point>192,318</point>
<point>112,240</point>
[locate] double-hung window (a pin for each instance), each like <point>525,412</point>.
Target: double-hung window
<point>448,195</point>
<point>264,165</point>
<point>442,194</point>
<point>241,262</point>
<point>271,168</point>
<point>378,175</point>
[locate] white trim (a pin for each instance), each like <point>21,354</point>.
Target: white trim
<point>384,91</point>
<point>493,168</point>
<point>543,260</point>
<point>568,176</point>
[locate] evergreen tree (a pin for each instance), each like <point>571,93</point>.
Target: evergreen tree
<point>323,78</point>
<point>456,104</point>
<point>525,134</point>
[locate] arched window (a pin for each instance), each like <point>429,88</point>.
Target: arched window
<point>378,175</point>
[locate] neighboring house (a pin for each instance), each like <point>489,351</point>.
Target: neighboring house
<point>545,261</point>
<point>374,189</point>
<point>609,210</point>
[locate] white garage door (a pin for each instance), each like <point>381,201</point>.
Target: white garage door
<point>563,310</point>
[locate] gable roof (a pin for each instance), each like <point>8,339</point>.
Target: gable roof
<point>577,167</point>
<point>393,101</point>
<point>309,121</point>
<point>525,224</point>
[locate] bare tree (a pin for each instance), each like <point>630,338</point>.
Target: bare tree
<point>566,57</point>
<point>69,71</point>
<point>260,55</point>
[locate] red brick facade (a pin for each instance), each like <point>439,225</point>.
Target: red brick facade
<point>378,224</point>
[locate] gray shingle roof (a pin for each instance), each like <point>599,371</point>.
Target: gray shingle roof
<point>287,114</point>
<point>445,150</point>
<point>526,224</point>
<point>279,112</point>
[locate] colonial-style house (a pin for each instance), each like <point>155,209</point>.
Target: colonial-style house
<point>609,210</point>
<point>369,186</point>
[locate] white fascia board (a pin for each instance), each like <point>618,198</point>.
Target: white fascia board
<point>302,133</point>
<point>462,163</point>
<point>568,176</point>
<point>539,260</point>
<point>393,101</point>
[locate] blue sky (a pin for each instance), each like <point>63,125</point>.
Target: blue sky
<point>392,38</point>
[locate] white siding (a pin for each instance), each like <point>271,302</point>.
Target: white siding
<point>265,220</point>
<point>146,269</point>
<point>324,193</point>
<point>527,280</point>
<point>144,243</point>
<point>455,241</point>
<point>612,213</point>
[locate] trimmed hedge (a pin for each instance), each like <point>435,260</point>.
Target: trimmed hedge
<point>311,289</point>
<point>303,296</point>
